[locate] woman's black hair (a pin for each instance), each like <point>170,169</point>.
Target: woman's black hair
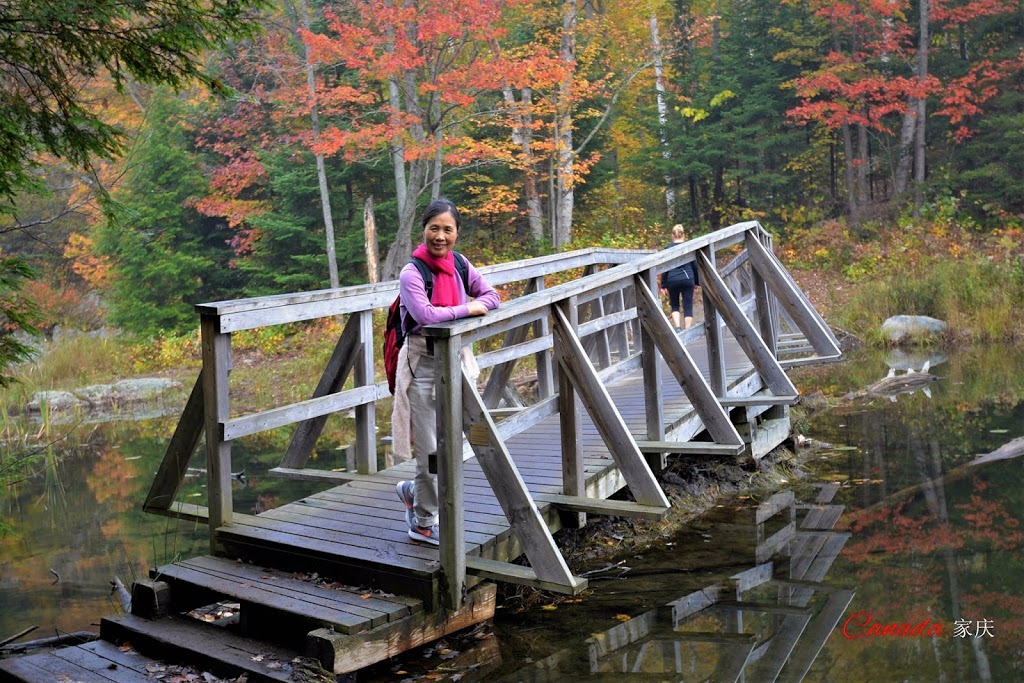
<point>437,207</point>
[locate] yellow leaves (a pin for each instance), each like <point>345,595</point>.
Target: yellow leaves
<point>695,114</point>
<point>549,608</point>
<point>722,97</point>
<point>623,617</point>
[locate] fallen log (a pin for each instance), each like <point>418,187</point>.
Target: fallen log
<point>1009,450</point>
<point>16,636</point>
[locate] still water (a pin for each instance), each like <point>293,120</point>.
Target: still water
<point>885,521</point>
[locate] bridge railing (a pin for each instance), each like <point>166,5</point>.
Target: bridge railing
<point>577,336</point>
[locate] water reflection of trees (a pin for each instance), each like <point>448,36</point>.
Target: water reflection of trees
<point>928,544</point>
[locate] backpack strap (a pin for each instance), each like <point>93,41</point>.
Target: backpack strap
<point>462,265</point>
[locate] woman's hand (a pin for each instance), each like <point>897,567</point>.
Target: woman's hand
<point>476,308</point>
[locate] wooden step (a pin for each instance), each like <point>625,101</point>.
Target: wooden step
<point>268,546</point>
<point>211,648</point>
<point>274,602</point>
<point>93,662</point>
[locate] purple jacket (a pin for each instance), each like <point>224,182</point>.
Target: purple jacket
<point>416,304</point>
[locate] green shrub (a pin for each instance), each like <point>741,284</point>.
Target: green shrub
<point>978,298</point>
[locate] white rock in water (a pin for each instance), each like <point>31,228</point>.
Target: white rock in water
<point>901,328</point>
<point>54,400</point>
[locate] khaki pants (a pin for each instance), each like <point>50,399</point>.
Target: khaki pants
<point>423,406</point>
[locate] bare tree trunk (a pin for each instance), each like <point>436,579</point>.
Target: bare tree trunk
<point>370,232</point>
<point>321,171</point>
<point>435,122</point>
<point>563,131</point>
<point>924,41</point>
<point>521,113</point>
<point>409,182</point>
<point>901,179</point>
<point>863,165</point>
<point>912,133</point>
<point>849,159</point>
<point>659,86</point>
<point>534,207</point>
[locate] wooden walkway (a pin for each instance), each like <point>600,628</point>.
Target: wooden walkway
<point>617,393</point>
<point>357,530</point>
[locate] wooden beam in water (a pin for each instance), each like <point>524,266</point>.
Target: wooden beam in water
<point>603,506</point>
<point>759,399</point>
<point>690,447</point>
<point>520,575</point>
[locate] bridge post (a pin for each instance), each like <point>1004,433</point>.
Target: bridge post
<point>216,366</point>
<point>713,332</point>
<point>766,314</point>
<point>573,475</point>
<point>366,432</point>
<point>545,367</point>
<point>650,360</point>
<point>450,481</point>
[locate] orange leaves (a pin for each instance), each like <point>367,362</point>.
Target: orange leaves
<point>95,270</point>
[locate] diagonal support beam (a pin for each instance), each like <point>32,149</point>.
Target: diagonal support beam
<point>746,336</point>
<point>573,360</point>
<point>680,362</point>
<point>342,360</point>
<point>179,451</point>
<point>792,298</point>
<point>513,496</point>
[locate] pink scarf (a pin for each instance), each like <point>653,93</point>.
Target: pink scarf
<point>446,291</point>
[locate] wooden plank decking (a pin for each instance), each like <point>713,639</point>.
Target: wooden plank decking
<point>356,531</point>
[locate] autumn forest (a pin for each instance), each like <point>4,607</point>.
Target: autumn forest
<point>553,124</point>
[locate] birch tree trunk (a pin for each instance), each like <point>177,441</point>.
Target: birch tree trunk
<point>321,170</point>
<point>849,159</point>
<point>563,129</point>
<point>924,41</point>
<point>912,133</point>
<point>901,178</point>
<point>409,182</point>
<point>370,232</point>
<point>522,135</point>
<point>659,86</point>
<point>863,166</point>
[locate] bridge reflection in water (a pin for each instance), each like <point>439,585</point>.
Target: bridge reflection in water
<point>765,623</point>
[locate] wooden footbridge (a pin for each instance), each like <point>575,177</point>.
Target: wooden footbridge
<point>615,392</point>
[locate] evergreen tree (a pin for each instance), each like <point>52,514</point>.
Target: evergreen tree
<point>166,256</point>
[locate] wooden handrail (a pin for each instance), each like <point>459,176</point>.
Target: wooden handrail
<point>581,323</point>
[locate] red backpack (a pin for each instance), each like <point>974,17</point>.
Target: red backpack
<point>395,328</point>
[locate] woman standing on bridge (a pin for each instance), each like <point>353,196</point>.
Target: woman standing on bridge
<point>456,292</point>
<point>679,283</point>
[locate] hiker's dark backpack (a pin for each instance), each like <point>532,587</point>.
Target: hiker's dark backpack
<point>395,329</point>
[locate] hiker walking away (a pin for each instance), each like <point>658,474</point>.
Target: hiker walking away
<point>451,298</point>
<point>678,283</point>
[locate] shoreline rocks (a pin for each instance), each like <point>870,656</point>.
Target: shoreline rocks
<point>123,394</point>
